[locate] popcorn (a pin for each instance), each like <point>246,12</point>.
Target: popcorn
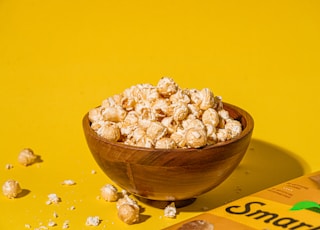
<point>65,224</point>
<point>27,157</point>
<point>53,199</point>
<point>170,211</point>
<point>128,210</point>
<point>11,189</point>
<point>109,193</point>
<point>164,116</point>
<point>93,221</point>
<point>51,223</point>
<point>68,182</point>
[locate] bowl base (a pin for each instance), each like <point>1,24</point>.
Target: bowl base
<point>162,203</point>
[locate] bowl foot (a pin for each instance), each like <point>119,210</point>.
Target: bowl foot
<point>162,203</point>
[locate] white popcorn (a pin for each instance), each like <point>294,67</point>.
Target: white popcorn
<point>109,193</point>
<point>128,210</point>
<point>196,138</point>
<point>144,114</point>
<point>109,131</point>
<point>166,87</point>
<point>53,199</point>
<point>65,224</point>
<point>51,223</point>
<point>27,157</point>
<point>93,221</point>
<point>156,130</point>
<point>210,116</point>
<point>11,189</point>
<point>234,126</point>
<point>170,211</point>
<point>68,182</point>
<point>207,99</point>
<point>166,143</point>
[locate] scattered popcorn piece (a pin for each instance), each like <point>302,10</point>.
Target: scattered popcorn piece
<point>68,182</point>
<point>128,214</point>
<point>11,188</point>
<point>65,224</point>
<point>127,200</point>
<point>55,215</point>
<point>51,223</point>
<point>128,210</point>
<point>53,199</point>
<point>93,221</point>
<point>9,166</point>
<point>27,157</point>
<point>170,211</point>
<point>109,193</point>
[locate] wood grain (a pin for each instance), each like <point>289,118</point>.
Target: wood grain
<point>170,174</point>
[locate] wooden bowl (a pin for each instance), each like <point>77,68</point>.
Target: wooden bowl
<point>159,176</point>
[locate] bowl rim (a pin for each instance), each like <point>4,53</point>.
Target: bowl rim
<point>249,125</point>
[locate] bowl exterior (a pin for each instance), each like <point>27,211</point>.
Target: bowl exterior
<point>170,174</point>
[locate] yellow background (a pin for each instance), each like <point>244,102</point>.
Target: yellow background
<point>60,58</point>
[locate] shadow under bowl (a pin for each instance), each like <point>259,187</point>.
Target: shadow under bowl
<point>161,176</point>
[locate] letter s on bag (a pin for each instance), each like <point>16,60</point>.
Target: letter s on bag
<point>247,208</point>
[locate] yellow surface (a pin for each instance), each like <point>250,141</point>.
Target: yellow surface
<point>60,58</point>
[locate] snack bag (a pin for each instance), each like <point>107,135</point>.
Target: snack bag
<point>293,205</point>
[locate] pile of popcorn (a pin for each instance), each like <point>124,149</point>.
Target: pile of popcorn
<point>164,116</point>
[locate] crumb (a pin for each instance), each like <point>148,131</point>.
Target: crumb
<point>27,226</point>
<point>93,221</point>
<point>93,171</point>
<point>51,223</point>
<point>9,166</point>
<point>53,198</point>
<point>68,182</point>
<point>55,215</point>
<point>72,208</point>
<point>65,224</point>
